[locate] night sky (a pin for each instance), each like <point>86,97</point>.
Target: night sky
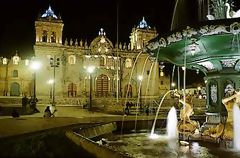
<point>82,20</point>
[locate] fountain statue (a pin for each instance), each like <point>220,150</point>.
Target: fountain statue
<point>229,130</point>
<point>186,125</point>
<point>229,102</point>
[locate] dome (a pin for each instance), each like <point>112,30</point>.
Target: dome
<point>101,44</point>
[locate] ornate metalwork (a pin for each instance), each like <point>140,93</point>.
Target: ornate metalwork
<point>228,62</point>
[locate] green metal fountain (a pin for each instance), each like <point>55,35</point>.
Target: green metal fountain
<point>211,46</point>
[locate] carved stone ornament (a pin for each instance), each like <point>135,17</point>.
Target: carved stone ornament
<point>213,93</point>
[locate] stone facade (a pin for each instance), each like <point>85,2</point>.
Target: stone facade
<point>116,66</point>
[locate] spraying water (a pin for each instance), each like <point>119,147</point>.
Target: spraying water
<point>236,127</point>
<point>154,123</point>
<point>148,81</point>
<point>129,81</point>
<point>139,91</point>
<point>172,121</point>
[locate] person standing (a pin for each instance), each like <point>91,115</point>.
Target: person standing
<point>24,103</point>
<point>33,104</point>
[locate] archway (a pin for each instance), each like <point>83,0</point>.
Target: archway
<point>102,85</point>
<point>15,89</point>
<point>72,90</point>
<point>128,91</point>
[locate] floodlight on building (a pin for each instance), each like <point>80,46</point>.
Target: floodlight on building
<point>140,77</point>
<point>161,73</point>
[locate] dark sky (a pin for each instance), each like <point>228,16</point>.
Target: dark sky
<point>82,19</point>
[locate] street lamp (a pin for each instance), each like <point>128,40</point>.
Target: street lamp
<point>35,65</point>
<point>50,82</point>
<point>173,84</point>
<point>54,62</point>
<point>90,70</point>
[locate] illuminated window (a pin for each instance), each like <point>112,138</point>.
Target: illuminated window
<point>15,73</point>
<point>4,61</point>
<point>44,36</point>
<point>102,63</point>
<point>27,62</point>
<point>71,59</point>
<point>16,60</point>
<point>128,63</point>
<point>53,37</point>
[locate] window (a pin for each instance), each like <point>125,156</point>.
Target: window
<point>53,37</point>
<point>72,90</point>
<point>15,73</point>
<point>102,63</point>
<point>102,85</point>
<point>128,63</point>
<point>71,59</point>
<point>44,36</point>
<point>16,60</point>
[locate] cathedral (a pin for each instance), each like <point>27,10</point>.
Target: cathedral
<point>117,70</point>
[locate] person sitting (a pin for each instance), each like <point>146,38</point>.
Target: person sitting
<point>47,112</point>
<point>15,113</point>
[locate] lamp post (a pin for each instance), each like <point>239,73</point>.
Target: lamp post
<point>90,70</point>
<point>50,82</point>
<point>54,62</point>
<point>35,65</point>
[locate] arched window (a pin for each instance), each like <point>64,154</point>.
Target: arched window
<point>16,60</point>
<point>71,59</point>
<point>72,90</point>
<point>5,61</point>
<point>53,37</point>
<point>15,73</point>
<point>102,86</point>
<point>44,36</point>
<point>102,61</point>
<point>128,91</point>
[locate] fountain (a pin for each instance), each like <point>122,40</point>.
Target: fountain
<point>211,47</point>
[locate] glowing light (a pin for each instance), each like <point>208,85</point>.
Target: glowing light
<point>173,84</point>
<point>35,65</point>
<point>199,88</point>
<point>183,68</point>
<point>88,56</point>
<point>90,69</point>
<point>161,73</point>
<point>51,81</point>
<point>140,77</point>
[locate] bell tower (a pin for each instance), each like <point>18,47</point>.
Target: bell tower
<point>141,35</point>
<point>48,28</point>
